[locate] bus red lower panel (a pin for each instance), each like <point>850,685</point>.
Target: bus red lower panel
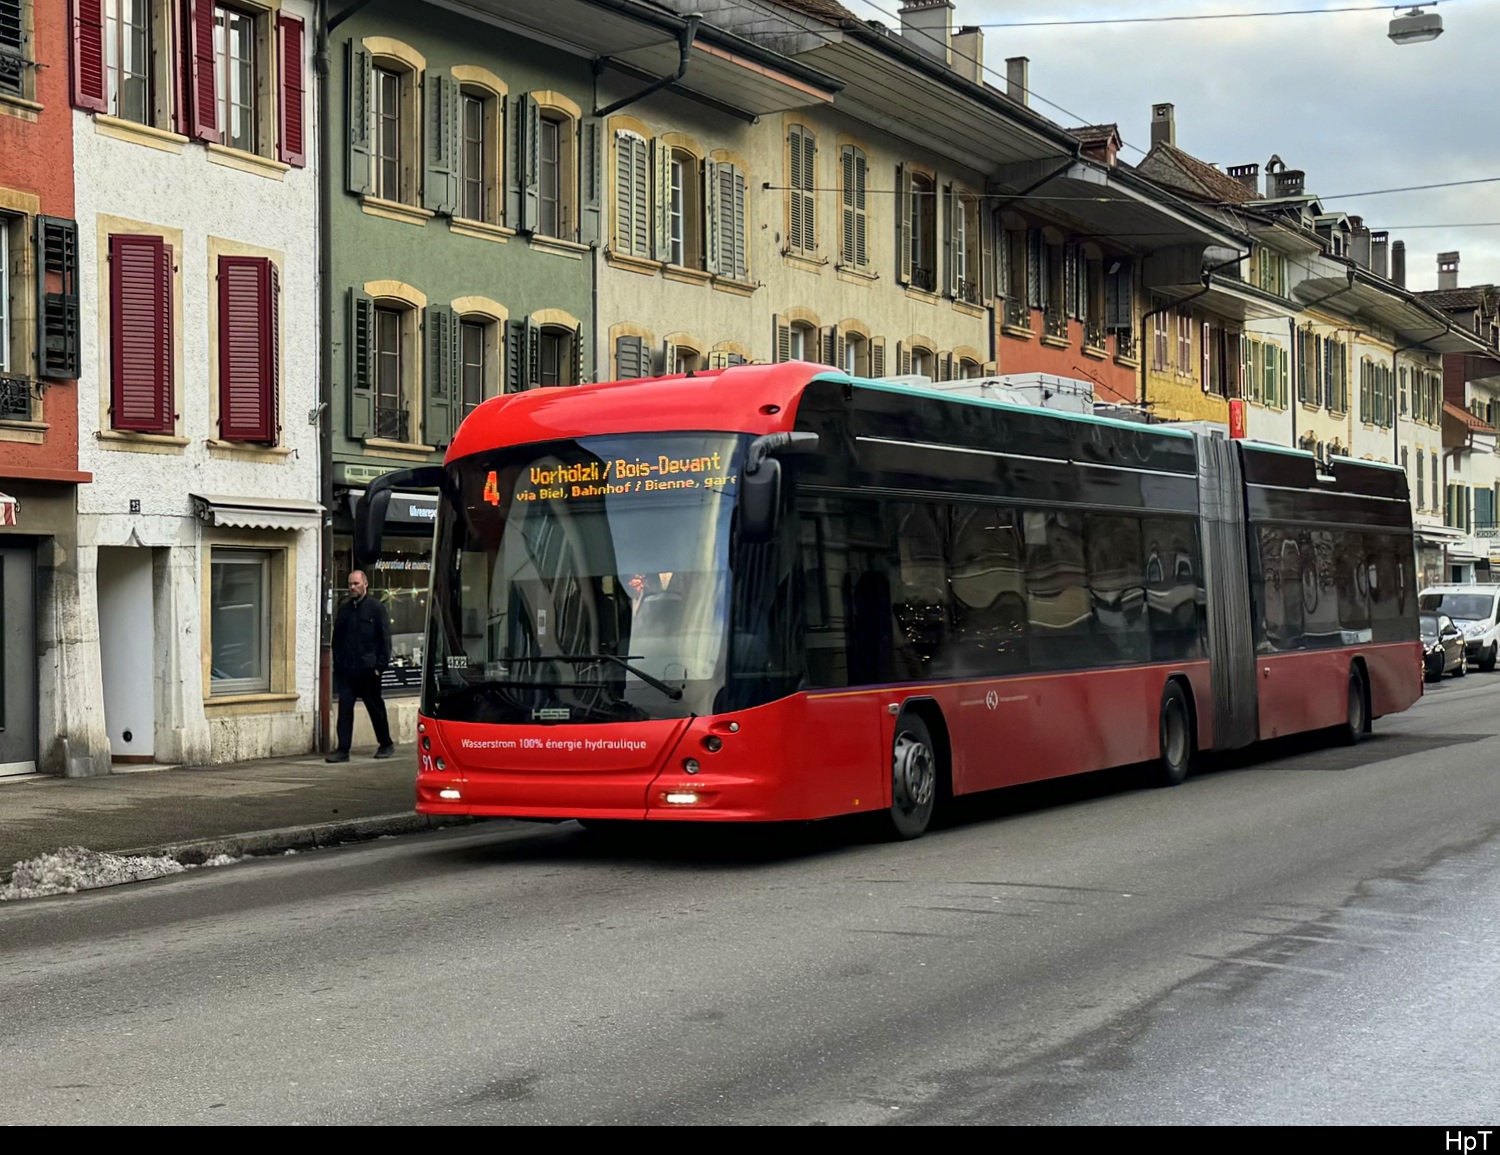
<point>1309,690</point>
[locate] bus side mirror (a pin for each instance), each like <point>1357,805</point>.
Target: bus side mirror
<point>760,486</point>
<point>369,511</point>
<point>760,502</point>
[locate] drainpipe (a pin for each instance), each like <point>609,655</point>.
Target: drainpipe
<point>324,411</point>
<point>1206,278</point>
<point>685,38</point>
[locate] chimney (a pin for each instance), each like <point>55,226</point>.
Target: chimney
<point>968,53</point>
<point>1447,270</point>
<point>1380,248</point>
<point>1398,263</point>
<point>1163,125</point>
<point>1018,78</point>
<point>928,24</point>
<point>1248,175</point>
<point>1289,182</point>
<point>1359,242</point>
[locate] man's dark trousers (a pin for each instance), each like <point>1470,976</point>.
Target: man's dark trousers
<point>361,686</point>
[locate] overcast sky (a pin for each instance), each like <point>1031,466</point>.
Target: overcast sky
<point>1329,93</point>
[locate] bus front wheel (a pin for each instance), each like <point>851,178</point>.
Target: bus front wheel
<point>1359,715</point>
<point>1176,736</point>
<point>914,778</point>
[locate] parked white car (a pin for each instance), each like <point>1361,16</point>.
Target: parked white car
<point>1475,609</point>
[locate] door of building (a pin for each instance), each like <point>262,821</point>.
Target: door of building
<point>18,661</point>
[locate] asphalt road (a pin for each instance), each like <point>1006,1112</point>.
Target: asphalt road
<point>1312,937</point>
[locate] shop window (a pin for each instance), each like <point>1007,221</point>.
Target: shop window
<point>240,621</point>
<point>398,579</point>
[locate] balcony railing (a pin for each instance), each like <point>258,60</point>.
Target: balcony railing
<point>969,291</point>
<point>12,65</point>
<point>1017,313</point>
<point>1486,529</point>
<point>392,423</point>
<point>1125,345</point>
<point>1057,324</point>
<point>1095,334</point>
<point>924,279</point>
<point>15,399</point>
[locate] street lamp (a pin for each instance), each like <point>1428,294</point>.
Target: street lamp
<point>1416,27</point>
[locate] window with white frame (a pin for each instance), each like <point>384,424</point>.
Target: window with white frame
<point>240,621</point>
<point>237,49</point>
<point>684,221</point>
<point>856,355</point>
<point>803,343</point>
<point>129,40</point>
<point>923,210</point>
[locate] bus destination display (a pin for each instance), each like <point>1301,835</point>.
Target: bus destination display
<point>662,473</point>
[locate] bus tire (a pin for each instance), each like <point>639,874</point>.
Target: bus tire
<point>1358,720</point>
<point>914,777</point>
<point>1176,731</point>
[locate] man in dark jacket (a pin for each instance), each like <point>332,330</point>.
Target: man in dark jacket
<point>361,652</point>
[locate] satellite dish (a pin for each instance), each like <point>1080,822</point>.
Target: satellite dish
<point>1416,27</point>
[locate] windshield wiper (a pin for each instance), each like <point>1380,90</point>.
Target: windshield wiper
<point>623,662</point>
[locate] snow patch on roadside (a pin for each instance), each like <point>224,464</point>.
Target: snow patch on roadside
<point>75,868</point>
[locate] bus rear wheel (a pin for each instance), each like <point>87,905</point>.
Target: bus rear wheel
<point>1176,736</point>
<point>914,778</point>
<point>1359,716</point>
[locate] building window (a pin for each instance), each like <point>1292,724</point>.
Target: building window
<point>923,210</point>
<point>552,210</point>
<point>476,161</point>
<point>1159,360</point>
<point>802,342</point>
<point>556,356</point>
<point>853,217</point>
<point>802,226</point>
<point>128,36</point>
<point>472,364</point>
<point>392,415</point>
<point>235,78</point>
<point>856,355</point>
<point>240,621</point>
<point>922,362</point>
<point>249,357</point>
<point>683,199</point>
<point>385,159</point>
<point>969,370</point>
<point>12,48</point>
<point>1184,362</point>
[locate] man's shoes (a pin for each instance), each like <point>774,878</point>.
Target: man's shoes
<point>385,751</point>
<point>338,756</point>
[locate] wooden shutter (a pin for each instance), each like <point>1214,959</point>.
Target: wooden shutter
<point>357,82</point>
<point>440,143</point>
<point>903,224</point>
<point>847,254</point>
<point>632,178</point>
<point>950,238</point>
<point>591,152</point>
<point>861,211</point>
<point>828,341</point>
<point>527,132</point>
<point>290,144</point>
<point>877,357</point>
<point>733,261</point>
<point>361,368</point>
<point>795,237</point>
<point>781,339</point>
<point>200,46</point>
<point>661,205</point>
<point>441,374</point>
<point>945,367</point>
<point>247,350</point>
<point>140,281</point>
<point>89,90</point>
<point>840,349</point>
<point>668,358</point>
<point>713,219</point>
<point>630,358</point>
<point>57,299</point>
<point>517,358</point>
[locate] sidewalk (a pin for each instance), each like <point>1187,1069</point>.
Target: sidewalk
<point>193,814</point>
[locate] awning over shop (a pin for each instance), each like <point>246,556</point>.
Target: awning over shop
<point>279,513</point>
<point>10,509</point>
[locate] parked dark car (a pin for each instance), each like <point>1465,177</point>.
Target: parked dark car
<point>1442,647</point>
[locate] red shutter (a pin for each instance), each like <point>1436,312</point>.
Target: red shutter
<point>201,69</point>
<point>88,55</point>
<point>140,296</point>
<point>290,148</point>
<point>247,349</point>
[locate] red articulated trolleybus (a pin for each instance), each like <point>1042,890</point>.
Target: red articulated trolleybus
<point>779,592</point>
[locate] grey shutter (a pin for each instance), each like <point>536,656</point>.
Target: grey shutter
<point>734,183</point>
<point>668,358</point>
<point>360,373</point>
<point>357,117</point>
<point>795,236</point>
<point>1284,380</point>
<point>580,363</point>
<point>517,356</point>
<point>661,168</point>
<point>809,195</point>
<point>630,228</point>
<point>512,129</point>
<point>527,133</point>
<point>861,212</point>
<point>440,329</point>
<point>840,349</point>
<point>945,367</point>
<point>781,339</point>
<point>591,152</point>
<point>828,338</point>
<point>57,335</point>
<point>877,357</point>
<point>847,255</point>
<point>440,144</point>
<point>630,358</point>
<point>950,237</point>
<point>987,279</point>
<point>533,362</point>
<point>713,226</point>
<point>903,224</point>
